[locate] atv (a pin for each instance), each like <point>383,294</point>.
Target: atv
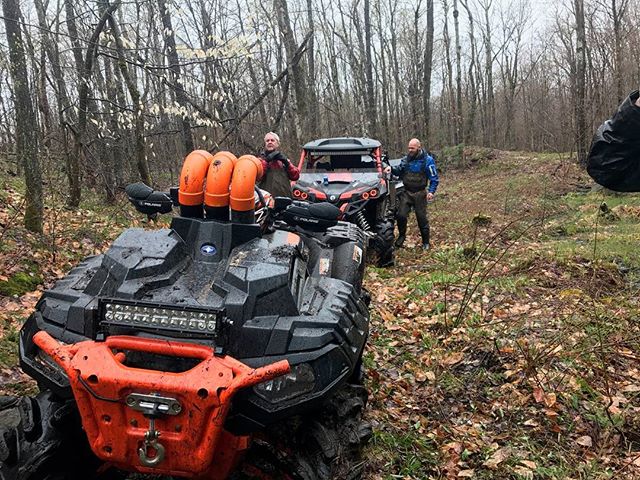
<point>216,348</point>
<point>349,173</point>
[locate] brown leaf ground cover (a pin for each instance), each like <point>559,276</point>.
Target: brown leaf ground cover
<point>509,351</point>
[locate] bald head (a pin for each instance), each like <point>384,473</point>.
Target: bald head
<point>414,147</point>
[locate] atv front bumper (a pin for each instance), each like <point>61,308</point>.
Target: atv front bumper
<point>157,422</point>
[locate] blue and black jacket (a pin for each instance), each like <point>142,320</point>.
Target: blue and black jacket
<point>415,171</point>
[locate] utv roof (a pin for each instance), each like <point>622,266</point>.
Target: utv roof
<point>339,145</point>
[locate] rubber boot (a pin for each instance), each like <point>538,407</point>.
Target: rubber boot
<point>424,233</point>
<point>402,232</point>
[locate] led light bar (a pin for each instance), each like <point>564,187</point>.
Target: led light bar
<point>159,317</point>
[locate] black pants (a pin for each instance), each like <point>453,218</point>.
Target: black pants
<point>417,200</point>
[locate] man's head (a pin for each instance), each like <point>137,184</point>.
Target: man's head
<point>414,147</point>
<point>271,142</point>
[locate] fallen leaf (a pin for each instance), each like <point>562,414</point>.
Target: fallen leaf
<point>550,399</point>
<point>421,377</point>
<point>615,410</point>
<point>585,441</point>
<point>523,472</point>
<point>453,358</point>
<point>529,464</point>
<point>631,388</point>
<point>538,394</point>
<point>466,473</point>
<point>497,458</point>
<point>531,423</point>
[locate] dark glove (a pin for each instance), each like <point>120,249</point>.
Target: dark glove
<point>277,155</point>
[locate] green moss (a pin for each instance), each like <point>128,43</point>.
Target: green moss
<point>19,284</point>
<point>9,349</point>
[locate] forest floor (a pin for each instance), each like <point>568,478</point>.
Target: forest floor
<point>510,350</point>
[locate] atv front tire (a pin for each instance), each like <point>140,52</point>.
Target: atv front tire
<point>382,247</point>
<point>41,439</point>
<point>325,446</point>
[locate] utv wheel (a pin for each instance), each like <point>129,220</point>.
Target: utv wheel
<point>382,247</point>
<point>41,439</point>
<point>327,445</point>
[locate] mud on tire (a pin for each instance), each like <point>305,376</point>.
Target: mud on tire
<point>382,246</point>
<point>41,439</point>
<point>328,445</point>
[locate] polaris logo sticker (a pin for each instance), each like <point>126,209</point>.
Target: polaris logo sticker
<point>357,254</point>
<point>208,250</point>
<point>305,219</point>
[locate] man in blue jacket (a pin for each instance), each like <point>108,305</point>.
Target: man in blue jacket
<point>417,170</point>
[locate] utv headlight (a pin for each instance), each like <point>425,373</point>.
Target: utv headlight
<point>298,381</point>
<point>159,317</point>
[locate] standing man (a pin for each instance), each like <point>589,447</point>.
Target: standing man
<point>416,170</point>
<point>278,170</point>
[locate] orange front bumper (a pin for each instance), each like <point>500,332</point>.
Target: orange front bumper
<point>192,436</point>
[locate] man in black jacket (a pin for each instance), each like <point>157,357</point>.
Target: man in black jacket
<point>614,159</point>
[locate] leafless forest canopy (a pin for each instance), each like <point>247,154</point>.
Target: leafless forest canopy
<point>101,93</point>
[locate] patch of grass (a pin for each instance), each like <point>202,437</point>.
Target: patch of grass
<point>407,453</point>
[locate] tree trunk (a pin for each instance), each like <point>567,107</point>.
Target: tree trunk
<point>140,146</point>
<point>472,97</point>
<point>454,137</point>
<point>314,107</point>
<point>427,71</point>
<point>176,79</point>
<point>490,108</point>
<point>26,133</point>
<point>297,70</point>
<point>580,118</point>
<point>62,99</point>
<point>458,112</point>
<point>370,108</point>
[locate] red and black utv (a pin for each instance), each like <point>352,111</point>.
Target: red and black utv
<point>348,173</point>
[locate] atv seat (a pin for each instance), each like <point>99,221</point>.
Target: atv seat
<point>147,200</point>
<point>312,216</point>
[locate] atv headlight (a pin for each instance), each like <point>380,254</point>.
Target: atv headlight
<point>298,381</point>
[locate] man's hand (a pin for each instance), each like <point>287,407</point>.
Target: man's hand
<point>430,196</point>
<point>638,102</point>
<point>387,170</point>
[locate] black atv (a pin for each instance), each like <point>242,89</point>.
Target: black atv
<point>349,173</point>
<point>217,348</point>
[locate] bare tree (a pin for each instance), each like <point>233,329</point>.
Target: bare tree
<point>298,72</point>
<point>581,125</point>
<point>427,71</point>
<point>174,68</point>
<point>26,130</point>
<point>458,109</point>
